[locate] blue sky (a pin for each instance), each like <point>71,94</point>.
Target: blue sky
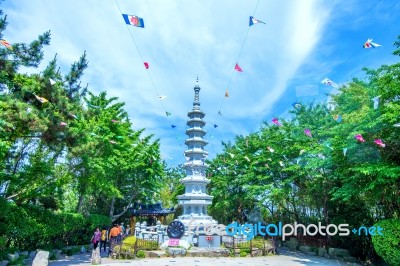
<point>283,61</point>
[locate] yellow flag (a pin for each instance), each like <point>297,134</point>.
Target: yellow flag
<point>41,99</point>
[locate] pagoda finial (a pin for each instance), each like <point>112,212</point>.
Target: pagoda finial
<point>196,102</point>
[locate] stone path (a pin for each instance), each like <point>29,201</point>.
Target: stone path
<point>285,258</point>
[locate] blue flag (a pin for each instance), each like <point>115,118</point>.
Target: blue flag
<point>133,20</point>
<point>253,21</point>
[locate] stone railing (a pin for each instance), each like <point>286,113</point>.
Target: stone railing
<point>143,231</point>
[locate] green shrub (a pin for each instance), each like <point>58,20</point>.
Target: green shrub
<point>29,227</point>
<point>52,256</point>
<point>69,252</point>
<point>19,261</point>
<point>130,240</point>
<point>243,253</point>
<point>259,242</point>
<point>97,220</point>
<point>3,242</point>
<point>387,245</point>
<point>141,254</point>
<point>76,249</point>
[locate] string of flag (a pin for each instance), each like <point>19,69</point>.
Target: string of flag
<point>237,68</point>
<point>133,20</point>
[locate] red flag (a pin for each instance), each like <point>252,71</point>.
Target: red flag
<point>6,44</point>
<point>146,65</point>
<point>237,67</point>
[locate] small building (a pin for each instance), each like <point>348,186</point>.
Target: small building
<point>140,210</point>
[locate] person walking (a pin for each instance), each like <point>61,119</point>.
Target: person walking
<point>104,238</point>
<point>114,232</point>
<point>96,238</point>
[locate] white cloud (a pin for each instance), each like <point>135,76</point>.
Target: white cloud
<point>181,40</point>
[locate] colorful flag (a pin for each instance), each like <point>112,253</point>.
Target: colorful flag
<point>329,82</point>
<point>337,118</point>
<point>41,99</point>
<point>297,105</point>
<point>73,116</point>
<point>328,146</point>
<point>359,138</point>
<point>133,20</point>
<point>307,132</point>
<point>173,126</point>
<point>115,121</point>
<point>6,44</point>
<point>146,65</point>
<point>276,122</point>
<point>237,67</point>
<point>227,93</point>
<point>376,101</point>
<point>380,143</point>
<point>215,125</point>
<point>253,21</point>
<point>63,124</point>
<point>370,44</point>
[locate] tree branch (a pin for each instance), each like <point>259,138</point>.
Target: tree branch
<point>115,217</point>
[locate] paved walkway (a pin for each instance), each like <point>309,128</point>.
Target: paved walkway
<point>285,258</point>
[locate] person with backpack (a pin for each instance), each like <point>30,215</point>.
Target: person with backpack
<point>104,238</point>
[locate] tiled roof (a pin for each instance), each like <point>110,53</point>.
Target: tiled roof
<point>139,209</point>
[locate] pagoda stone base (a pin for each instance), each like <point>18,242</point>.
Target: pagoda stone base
<point>196,220</point>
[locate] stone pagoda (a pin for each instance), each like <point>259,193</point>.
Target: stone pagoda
<point>195,200</point>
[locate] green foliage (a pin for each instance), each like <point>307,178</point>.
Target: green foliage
<point>96,220</point>
<point>387,245</point>
<point>19,261</point>
<point>95,163</point>
<point>28,227</point>
<point>3,242</point>
<point>243,253</point>
<point>130,240</point>
<point>68,251</point>
<point>52,256</point>
<point>141,254</point>
<point>329,177</point>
